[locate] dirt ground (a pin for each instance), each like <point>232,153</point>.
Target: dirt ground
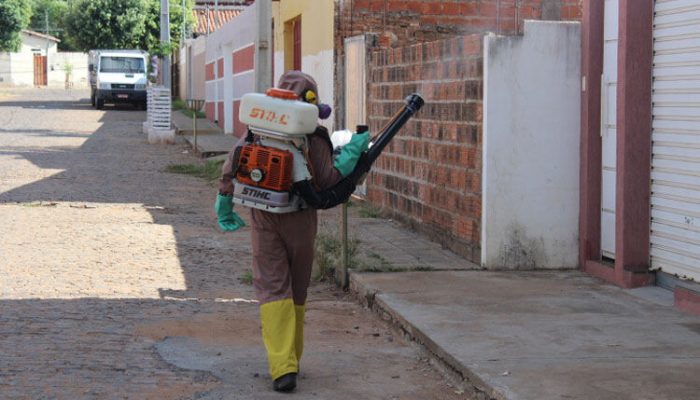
<point>115,282</point>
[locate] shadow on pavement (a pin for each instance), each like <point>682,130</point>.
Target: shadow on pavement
<point>75,335</point>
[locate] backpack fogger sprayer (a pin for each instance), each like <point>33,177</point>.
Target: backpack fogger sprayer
<point>272,169</point>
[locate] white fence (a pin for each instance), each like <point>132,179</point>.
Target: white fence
<point>159,115</point>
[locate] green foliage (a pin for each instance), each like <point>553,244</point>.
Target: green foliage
<point>57,12</point>
<point>14,16</point>
<point>151,39</point>
<point>180,105</point>
<point>125,24</point>
<point>367,210</point>
<point>328,254</point>
<point>106,24</point>
<point>210,171</point>
<point>247,277</point>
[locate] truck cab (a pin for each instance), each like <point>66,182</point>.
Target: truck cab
<point>117,76</point>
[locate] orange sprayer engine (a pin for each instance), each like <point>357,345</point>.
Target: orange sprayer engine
<point>265,167</point>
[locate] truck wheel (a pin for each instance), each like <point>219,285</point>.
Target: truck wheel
<point>100,104</point>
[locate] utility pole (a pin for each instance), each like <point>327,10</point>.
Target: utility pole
<point>182,27</point>
<point>165,39</point>
<point>263,55</point>
<point>46,22</point>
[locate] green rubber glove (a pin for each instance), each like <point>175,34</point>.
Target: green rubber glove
<point>228,219</point>
<point>350,153</point>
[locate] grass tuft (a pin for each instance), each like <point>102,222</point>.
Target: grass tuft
<point>211,170</point>
<point>182,106</point>
<point>246,278</point>
<point>328,255</point>
<point>367,210</point>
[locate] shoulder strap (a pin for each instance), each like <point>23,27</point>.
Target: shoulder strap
<point>322,132</point>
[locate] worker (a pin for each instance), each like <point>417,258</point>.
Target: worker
<point>283,244</point>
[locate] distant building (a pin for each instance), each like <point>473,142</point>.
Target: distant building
<point>212,15</point>
<point>29,65</point>
<point>38,63</point>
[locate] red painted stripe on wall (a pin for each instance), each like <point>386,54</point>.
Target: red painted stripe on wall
<point>239,128</point>
<point>687,300</point>
<point>220,107</point>
<point>209,111</point>
<point>244,59</point>
<point>220,68</point>
<point>209,72</point>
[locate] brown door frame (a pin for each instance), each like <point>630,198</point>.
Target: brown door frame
<point>634,123</point>
<point>40,70</point>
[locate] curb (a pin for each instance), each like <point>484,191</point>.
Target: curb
<point>469,381</point>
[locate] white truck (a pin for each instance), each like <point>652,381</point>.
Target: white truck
<point>118,76</point>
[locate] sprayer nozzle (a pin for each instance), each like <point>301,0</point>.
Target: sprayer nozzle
<point>414,102</point>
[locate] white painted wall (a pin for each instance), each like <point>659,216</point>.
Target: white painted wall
<point>237,33</point>
<point>199,50</point>
<point>5,69</point>
<point>35,44</point>
<point>183,60</point>
<point>530,177</point>
<point>320,67</point>
<point>57,68</point>
<point>17,68</point>
<point>22,69</point>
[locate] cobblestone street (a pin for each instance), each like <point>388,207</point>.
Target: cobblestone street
<point>116,283</point>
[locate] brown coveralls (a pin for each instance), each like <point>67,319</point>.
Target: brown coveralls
<point>283,250</point>
<point>283,244</point>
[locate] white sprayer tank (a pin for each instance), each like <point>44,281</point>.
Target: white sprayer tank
<point>285,117</point>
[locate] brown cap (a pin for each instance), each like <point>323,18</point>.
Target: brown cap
<point>298,82</point>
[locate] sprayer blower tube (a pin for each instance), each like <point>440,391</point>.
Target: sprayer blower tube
<point>341,191</point>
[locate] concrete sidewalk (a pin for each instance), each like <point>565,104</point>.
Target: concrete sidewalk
<point>533,335</point>
<point>184,126</point>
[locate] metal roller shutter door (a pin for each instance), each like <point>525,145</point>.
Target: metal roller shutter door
<point>675,185</point>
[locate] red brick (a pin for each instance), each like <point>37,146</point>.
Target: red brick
<point>415,6</point>
<point>451,8</point>
<point>469,8</point>
<point>377,5</point>
<point>396,5</point>
<point>432,7</point>
<point>360,5</point>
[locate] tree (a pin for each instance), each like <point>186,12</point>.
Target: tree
<point>107,24</point>
<point>123,24</point>
<point>56,11</point>
<point>152,38</point>
<point>14,16</point>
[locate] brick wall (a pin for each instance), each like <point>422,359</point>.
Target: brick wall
<point>430,174</point>
<point>403,22</point>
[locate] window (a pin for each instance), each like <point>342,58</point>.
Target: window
<point>122,64</point>
<point>292,44</point>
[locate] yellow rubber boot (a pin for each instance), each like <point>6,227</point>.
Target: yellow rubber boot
<point>300,311</point>
<point>278,330</point>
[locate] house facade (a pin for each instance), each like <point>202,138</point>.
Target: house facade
<point>640,145</point>
<point>38,63</point>
<point>303,40</point>
<point>30,64</point>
